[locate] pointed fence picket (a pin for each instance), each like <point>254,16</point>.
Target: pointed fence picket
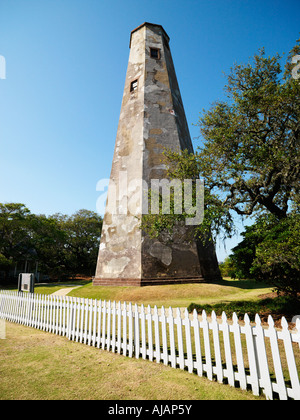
<point>247,355</point>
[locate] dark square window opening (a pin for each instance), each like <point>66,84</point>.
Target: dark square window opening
<point>133,86</point>
<point>155,53</point>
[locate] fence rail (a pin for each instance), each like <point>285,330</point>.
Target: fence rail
<point>246,355</point>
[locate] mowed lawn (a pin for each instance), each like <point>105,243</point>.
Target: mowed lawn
<point>37,365</point>
<point>40,365</point>
<point>175,295</point>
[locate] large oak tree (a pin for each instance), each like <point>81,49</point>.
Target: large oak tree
<point>249,156</point>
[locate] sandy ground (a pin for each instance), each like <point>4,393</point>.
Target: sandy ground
<point>64,292</point>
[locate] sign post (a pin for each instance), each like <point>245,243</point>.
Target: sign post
<point>26,282</point>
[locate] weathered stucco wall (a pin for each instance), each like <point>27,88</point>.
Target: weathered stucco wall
<point>120,247</point>
<point>165,126</point>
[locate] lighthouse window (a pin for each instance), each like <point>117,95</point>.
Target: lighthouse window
<point>154,53</point>
<point>133,86</point>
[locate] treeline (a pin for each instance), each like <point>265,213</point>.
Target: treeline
<point>59,246</point>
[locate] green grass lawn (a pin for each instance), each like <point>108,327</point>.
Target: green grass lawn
<point>175,295</point>
<point>103,375</point>
<point>227,295</point>
<point>37,365</point>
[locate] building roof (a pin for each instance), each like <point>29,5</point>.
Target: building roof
<point>149,24</point>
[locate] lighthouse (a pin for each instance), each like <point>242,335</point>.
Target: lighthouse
<point>152,119</point>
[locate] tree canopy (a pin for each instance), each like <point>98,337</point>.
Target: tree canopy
<point>250,152</point>
<point>249,159</point>
<point>61,245</point>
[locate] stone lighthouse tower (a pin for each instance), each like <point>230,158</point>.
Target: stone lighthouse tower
<point>152,118</point>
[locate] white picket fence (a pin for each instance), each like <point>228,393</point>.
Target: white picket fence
<point>245,355</point>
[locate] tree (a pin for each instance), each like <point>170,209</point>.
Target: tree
<point>270,252</point>
<point>217,218</point>
<point>227,268</point>
<point>15,238</point>
<point>277,256</point>
<point>61,245</point>
<point>251,153</point>
<point>243,254</point>
<point>48,239</point>
<point>67,245</point>
<point>83,230</point>
<point>249,157</point>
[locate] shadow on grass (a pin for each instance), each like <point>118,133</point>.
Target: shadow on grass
<point>67,283</point>
<point>277,307</point>
<point>242,284</point>
<point>51,285</point>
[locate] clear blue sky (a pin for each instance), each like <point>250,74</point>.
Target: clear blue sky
<point>66,63</point>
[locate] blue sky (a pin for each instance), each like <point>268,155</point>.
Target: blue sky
<point>66,63</point>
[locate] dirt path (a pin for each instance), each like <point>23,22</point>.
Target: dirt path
<point>64,292</point>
